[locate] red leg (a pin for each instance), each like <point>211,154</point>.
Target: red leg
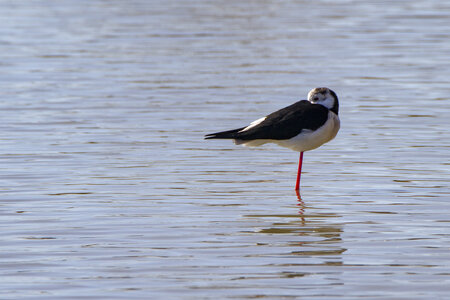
<point>299,174</point>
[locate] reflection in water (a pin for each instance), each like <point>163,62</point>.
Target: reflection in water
<point>300,204</point>
<point>309,233</point>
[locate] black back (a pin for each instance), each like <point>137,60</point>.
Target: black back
<point>282,124</point>
<point>288,122</point>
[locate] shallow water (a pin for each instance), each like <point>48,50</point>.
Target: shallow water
<point>108,190</point>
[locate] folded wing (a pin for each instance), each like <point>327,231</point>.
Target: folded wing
<point>280,125</point>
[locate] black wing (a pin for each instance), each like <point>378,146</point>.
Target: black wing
<point>282,124</point>
<point>230,134</point>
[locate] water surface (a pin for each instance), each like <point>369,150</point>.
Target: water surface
<point>108,190</point>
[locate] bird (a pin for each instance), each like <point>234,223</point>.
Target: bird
<point>302,126</point>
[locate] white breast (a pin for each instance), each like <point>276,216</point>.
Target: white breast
<point>312,139</point>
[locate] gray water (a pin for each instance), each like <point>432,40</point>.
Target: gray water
<point>108,190</point>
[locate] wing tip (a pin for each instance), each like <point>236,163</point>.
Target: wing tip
<point>209,136</point>
<point>230,134</point>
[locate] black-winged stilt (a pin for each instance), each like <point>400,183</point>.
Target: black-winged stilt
<point>302,126</point>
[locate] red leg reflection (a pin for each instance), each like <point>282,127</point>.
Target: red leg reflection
<point>300,204</point>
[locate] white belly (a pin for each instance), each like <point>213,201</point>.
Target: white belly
<point>307,139</point>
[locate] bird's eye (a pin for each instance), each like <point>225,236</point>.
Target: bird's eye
<point>316,98</point>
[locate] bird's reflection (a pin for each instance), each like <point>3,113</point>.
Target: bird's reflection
<point>301,206</point>
<point>310,231</point>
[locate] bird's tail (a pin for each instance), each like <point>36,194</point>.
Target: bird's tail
<point>230,134</point>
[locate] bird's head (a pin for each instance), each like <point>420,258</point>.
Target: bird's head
<point>326,97</point>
